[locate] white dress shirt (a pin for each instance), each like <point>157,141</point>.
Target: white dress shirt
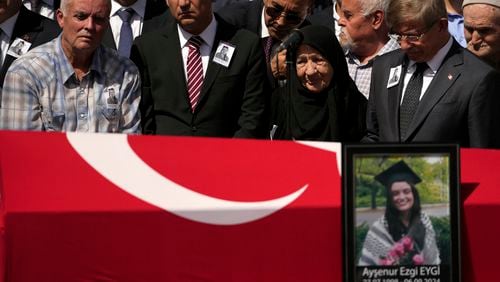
<point>136,22</point>
<point>45,8</point>
<point>208,36</point>
<point>433,66</point>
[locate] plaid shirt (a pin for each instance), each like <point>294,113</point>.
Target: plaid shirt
<point>362,74</point>
<point>42,92</point>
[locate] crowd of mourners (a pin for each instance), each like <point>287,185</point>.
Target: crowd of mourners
<point>395,71</point>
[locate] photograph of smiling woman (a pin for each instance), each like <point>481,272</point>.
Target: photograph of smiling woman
<point>404,235</point>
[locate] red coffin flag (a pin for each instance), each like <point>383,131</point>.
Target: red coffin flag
<point>136,208</point>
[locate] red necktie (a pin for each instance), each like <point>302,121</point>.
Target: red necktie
<point>194,70</point>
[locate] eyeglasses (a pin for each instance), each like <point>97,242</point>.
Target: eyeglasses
<point>410,38</point>
<point>407,38</point>
<point>277,11</point>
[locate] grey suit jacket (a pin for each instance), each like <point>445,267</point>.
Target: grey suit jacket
<point>461,105</point>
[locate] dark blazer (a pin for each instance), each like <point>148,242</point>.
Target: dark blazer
<point>244,14</point>
<point>461,105</point>
<point>156,15</point>
<point>233,100</point>
<point>248,15</point>
<point>33,28</point>
<point>323,17</point>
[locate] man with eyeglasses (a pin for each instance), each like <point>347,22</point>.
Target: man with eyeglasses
<point>482,29</point>
<point>272,20</point>
<point>363,36</point>
<point>441,94</point>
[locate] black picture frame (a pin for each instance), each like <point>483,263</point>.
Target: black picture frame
<point>371,254</point>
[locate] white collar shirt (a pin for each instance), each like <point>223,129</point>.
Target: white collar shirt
<point>433,66</point>
<point>136,22</point>
<point>208,36</point>
<point>45,8</point>
<point>264,32</point>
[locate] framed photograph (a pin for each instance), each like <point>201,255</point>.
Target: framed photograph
<point>401,213</point>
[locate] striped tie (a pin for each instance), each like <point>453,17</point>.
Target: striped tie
<point>194,70</point>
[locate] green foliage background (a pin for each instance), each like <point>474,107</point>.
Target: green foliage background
<point>432,190</point>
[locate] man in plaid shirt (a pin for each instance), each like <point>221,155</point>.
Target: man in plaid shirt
<point>364,36</point>
<point>73,83</point>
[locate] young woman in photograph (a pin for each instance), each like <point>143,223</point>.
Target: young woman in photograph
<point>404,234</point>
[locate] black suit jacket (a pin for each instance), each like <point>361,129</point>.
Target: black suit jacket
<point>323,17</point>
<point>248,15</point>
<point>156,15</point>
<point>244,14</point>
<point>461,105</point>
<point>33,28</point>
<point>233,100</point>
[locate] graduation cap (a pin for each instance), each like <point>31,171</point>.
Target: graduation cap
<point>399,171</point>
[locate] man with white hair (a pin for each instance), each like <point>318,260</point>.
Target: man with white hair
<point>73,83</point>
<point>482,29</point>
<point>364,36</point>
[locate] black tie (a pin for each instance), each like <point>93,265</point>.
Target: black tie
<point>411,99</point>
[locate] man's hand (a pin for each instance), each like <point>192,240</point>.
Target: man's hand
<point>278,65</point>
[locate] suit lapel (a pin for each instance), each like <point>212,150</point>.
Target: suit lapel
<point>446,75</point>
<point>394,94</point>
<point>156,16</point>
<point>172,58</point>
<point>214,68</point>
<point>25,28</point>
<point>108,39</point>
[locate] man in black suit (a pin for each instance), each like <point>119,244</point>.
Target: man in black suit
<point>328,17</point>
<point>443,93</point>
<point>27,27</point>
<point>46,8</point>
<point>187,91</point>
<point>280,17</point>
<point>145,16</point>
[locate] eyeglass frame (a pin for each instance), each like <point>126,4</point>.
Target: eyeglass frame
<point>277,12</point>
<point>411,38</point>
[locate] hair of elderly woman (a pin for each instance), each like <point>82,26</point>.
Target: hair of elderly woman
<point>417,11</point>
<point>323,39</point>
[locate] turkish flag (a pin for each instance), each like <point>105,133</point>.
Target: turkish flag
<point>67,220</point>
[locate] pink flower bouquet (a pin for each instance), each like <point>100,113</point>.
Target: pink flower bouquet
<point>403,252</point>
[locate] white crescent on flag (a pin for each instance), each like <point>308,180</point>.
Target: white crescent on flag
<point>112,156</point>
